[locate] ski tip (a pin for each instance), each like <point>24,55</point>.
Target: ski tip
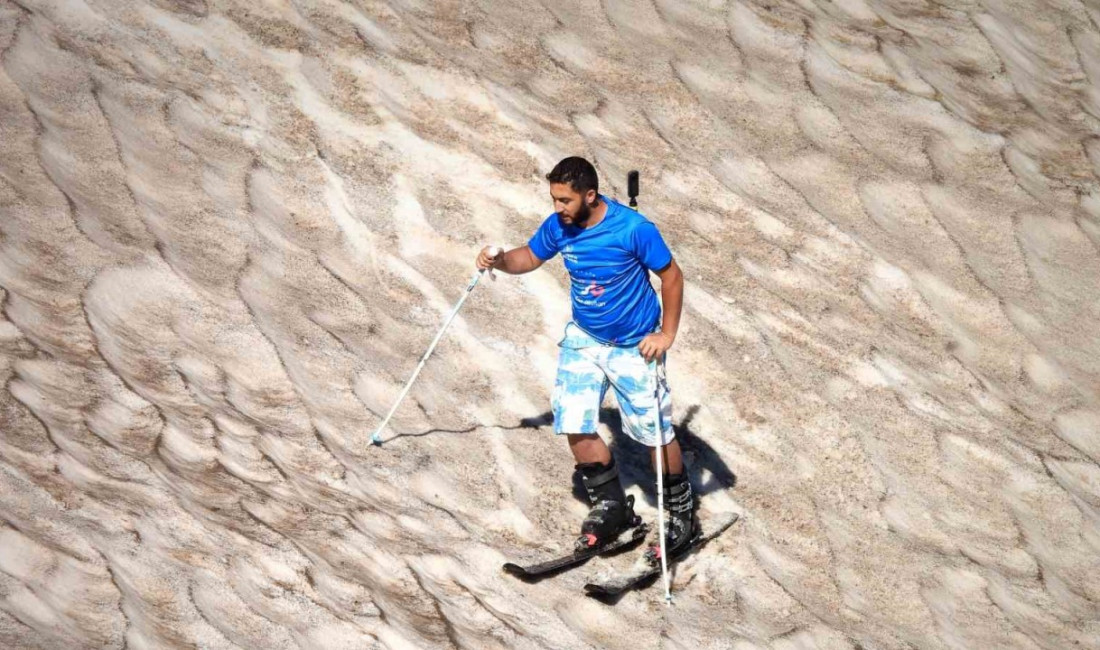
<point>523,575</point>
<point>603,594</point>
<point>729,520</point>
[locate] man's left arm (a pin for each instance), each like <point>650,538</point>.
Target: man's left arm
<point>672,298</point>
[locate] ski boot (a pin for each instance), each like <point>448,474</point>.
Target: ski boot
<point>681,524</point>
<point>612,510</point>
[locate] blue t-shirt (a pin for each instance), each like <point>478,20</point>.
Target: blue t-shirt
<point>609,266</point>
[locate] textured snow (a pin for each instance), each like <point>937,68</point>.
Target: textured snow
<point>229,229</point>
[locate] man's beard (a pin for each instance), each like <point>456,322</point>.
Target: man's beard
<point>582,215</point>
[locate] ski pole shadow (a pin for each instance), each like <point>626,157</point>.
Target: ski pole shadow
<point>536,422</point>
<point>708,472</point>
<point>420,434</point>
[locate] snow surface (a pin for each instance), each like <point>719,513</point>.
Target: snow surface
<point>230,228</point>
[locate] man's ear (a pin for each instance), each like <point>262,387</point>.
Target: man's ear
<point>590,197</point>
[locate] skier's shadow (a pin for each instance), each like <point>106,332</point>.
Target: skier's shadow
<point>708,471</point>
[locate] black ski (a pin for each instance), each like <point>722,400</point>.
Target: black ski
<point>534,572</point>
<point>618,584</point>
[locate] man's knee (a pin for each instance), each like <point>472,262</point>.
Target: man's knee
<point>589,448</point>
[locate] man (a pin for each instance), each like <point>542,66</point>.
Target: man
<point>617,338</point>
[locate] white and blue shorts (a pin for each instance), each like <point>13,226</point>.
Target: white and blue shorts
<point>586,368</point>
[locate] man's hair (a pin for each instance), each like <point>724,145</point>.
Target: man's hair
<point>578,172</point>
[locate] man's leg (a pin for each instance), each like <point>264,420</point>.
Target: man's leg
<point>589,448</point>
<point>612,510</point>
<point>644,399</point>
<point>577,396</point>
<point>672,460</point>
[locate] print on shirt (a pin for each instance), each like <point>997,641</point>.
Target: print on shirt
<point>594,290</point>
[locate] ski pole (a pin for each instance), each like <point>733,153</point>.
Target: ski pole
<point>632,191</point>
<point>659,451</point>
<point>376,438</point>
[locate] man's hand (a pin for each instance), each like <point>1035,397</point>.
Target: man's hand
<point>486,259</point>
<point>654,345</point>
<point>516,261</point>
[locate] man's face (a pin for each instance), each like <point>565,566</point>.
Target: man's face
<point>571,206</point>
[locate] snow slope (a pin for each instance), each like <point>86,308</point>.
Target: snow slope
<point>229,229</point>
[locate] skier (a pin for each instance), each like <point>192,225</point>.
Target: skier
<point>617,331</point>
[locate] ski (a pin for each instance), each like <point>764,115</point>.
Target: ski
<point>533,572</point>
<point>643,571</point>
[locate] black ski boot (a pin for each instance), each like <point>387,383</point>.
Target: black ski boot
<point>681,524</point>
<point>612,510</point>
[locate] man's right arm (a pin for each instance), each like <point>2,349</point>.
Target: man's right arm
<point>515,262</point>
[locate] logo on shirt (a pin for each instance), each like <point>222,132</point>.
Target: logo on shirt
<point>593,289</point>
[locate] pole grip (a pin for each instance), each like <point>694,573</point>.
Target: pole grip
<point>493,252</point>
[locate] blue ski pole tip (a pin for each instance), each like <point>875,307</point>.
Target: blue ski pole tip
<point>376,439</point>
